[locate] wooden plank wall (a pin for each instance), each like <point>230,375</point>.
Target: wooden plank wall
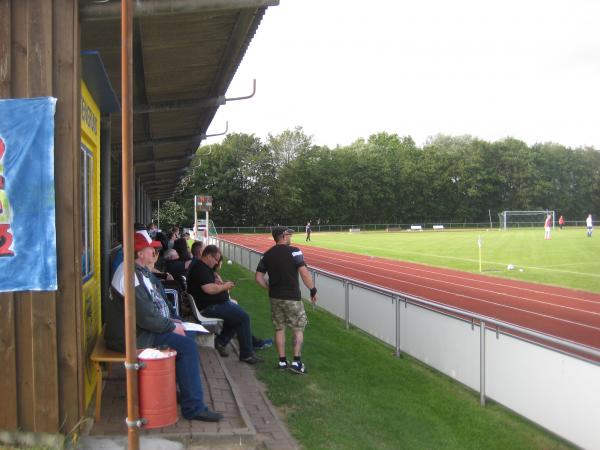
<point>40,332</point>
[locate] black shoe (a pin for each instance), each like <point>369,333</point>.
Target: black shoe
<point>252,359</point>
<point>221,349</point>
<point>207,416</point>
<point>282,365</point>
<point>261,344</point>
<point>298,367</point>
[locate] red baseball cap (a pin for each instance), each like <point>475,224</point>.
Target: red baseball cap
<point>142,240</point>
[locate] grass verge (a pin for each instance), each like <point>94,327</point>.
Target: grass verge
<point>357,395</point>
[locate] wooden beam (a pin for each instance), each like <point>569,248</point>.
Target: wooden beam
<point>69,314</point>
<point>5,48</point>
<point>23,325</point>
<point>43,311</point>
<point>8,380</point>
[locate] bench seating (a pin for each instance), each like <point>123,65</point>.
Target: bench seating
<point>100,355</point>
<point>438,227</point>
<point>416,228</point>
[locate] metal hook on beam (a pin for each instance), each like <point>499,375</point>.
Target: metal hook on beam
<point>218,134</point>
<point>204,136</point>
<point>232,99</point>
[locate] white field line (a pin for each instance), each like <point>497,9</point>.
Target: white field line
<point>581,263</point>
<point>487,301</point>
<point>467,275</point>
<point>394,268</point>
<point>473,260</point>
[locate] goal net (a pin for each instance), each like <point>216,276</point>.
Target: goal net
<point>524,219</point>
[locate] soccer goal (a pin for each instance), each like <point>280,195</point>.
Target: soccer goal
<point>524,219</point>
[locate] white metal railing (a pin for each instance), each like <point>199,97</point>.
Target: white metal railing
<point>551,381</point>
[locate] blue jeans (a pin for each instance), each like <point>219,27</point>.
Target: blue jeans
<point>187,371</point>
<point>235,321</point>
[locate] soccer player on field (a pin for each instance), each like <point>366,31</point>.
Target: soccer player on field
<point>547,226</point>
<point>589,224</point>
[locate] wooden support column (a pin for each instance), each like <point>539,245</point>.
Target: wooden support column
<point>8,381</point>
<point>69,314</point>
<point>40,344</point>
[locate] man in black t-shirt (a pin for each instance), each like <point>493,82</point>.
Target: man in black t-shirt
<point>284,263</point>
<point>212,299</point>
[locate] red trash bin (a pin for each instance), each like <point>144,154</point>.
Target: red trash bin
<point>157,391</point>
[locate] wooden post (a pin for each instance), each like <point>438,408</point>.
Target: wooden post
<point>128,197</point>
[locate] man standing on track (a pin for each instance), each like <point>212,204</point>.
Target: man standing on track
<point>284,263</point>
<point>308,230</point>
<point>547,226</point>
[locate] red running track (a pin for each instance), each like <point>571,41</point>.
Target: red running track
<point>561,312</point>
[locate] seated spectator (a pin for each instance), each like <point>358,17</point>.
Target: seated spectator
<point>155,328</point>
<point>181,247</point>
<point>212,299</point>
<point>177,268</point>
<point>170,236</point>
<point>197,248</point>
<point>257,343</point>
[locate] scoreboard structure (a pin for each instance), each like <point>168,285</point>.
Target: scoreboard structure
<point>203,203</point>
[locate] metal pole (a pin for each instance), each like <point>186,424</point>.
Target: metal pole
<point>397,300</point>
<point>128,196</point>
<point>195,219</point>
<point>482,363</point>
<point>347,303</point>
<point>206,228</point>
<point>106,236</point>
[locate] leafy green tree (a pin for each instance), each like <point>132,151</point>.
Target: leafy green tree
<point>171,214</point>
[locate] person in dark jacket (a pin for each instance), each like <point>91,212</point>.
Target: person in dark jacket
<point>155,328</point>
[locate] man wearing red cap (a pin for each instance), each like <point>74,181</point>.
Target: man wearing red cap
<point>155,328</point>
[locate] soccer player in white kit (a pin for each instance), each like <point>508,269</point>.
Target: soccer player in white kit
<point>589,224</point>
<point>547,226</point>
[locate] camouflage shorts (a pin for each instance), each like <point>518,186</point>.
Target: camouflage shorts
<point>288,313</point>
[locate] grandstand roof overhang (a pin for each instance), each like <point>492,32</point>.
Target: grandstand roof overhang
<point>186,53</point>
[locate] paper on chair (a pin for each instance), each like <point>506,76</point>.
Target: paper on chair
<point>191,326</point>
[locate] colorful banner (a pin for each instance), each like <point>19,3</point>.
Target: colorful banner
<point>27,201</point>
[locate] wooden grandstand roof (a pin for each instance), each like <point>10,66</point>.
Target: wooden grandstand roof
<point>186,53</point>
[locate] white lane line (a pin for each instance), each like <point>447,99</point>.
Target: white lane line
<point>481,300</point>
<point>472,260</point>
<point>465,276</point>
<point>541,302</point>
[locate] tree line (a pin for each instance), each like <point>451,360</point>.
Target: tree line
<point>385,179</point>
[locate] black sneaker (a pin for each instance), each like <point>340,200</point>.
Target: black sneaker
<point>221,349</point>
<point>252,359</point>
<point>298,367</point>
<point>261,344</point>
<point>207,416</point>
<point>282,365</point>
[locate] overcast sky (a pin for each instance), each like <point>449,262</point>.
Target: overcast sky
<point>345,69</point>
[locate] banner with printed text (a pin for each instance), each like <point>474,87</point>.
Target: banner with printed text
<point>27,201</point>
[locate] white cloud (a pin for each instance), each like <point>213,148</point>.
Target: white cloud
<point>344,69</point>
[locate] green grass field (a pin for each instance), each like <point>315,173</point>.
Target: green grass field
<point>357,395</point>
<point>569,259</point>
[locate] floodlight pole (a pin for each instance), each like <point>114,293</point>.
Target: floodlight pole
<point>195,219</point>
<point>206,228</point>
